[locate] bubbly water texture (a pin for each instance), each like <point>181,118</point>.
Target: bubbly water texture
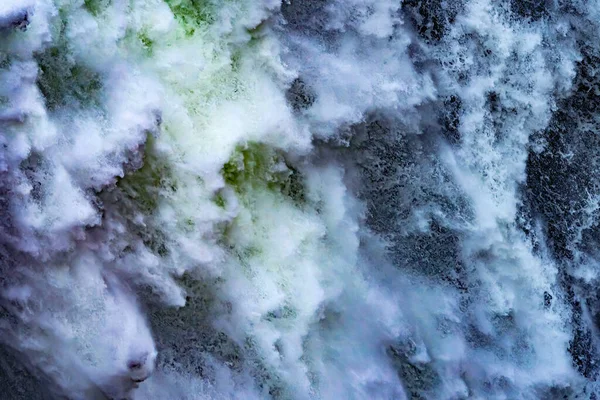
<point>314,199</point>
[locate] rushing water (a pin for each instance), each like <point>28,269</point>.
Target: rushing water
<point>314,199</point>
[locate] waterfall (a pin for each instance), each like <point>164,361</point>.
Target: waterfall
<point>299,199</point>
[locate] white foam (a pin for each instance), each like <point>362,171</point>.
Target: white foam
<point>288,282</point>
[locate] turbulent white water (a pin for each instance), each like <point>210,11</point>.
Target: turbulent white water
<point>314,199</point>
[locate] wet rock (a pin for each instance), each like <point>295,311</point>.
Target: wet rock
<point>300,96</point>
<point>431,18</point>
<point>533,9</point>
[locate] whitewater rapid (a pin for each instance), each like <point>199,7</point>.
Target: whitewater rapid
<point>307,199</point>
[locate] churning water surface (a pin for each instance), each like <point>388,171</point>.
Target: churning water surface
<point>307,199</point>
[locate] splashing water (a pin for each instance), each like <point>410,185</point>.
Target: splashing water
<point>326,199</point>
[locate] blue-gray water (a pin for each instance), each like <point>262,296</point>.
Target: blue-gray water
<point>307,199</point>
